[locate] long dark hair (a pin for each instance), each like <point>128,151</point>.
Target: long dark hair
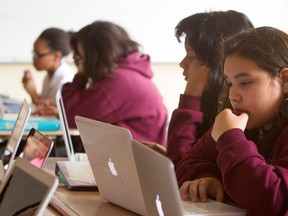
<point>204,33</point>
<point>268,48</point>
<point>104,43</point>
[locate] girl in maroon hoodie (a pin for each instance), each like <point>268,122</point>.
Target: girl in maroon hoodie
<point>251,168</point>
<point>113,83</point>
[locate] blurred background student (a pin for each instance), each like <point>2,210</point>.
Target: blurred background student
<point>49,54</point>
<point>198,105</point>
<point>113,83</point>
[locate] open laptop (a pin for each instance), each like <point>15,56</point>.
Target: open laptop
<point>160,188</point>
<point>72,156</point>
<point>26,189</point>
<point>113,155</point>
<point>10,150</point>
<point>109,152</point>
<point>36,148</point>
<point>71,172</point>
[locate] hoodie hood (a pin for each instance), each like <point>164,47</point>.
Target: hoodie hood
<point>137,62</point>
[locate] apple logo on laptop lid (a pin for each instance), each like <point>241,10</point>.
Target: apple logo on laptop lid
<point>159,206</point>
<point>112,167</point>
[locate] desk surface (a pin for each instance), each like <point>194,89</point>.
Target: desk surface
<point>82,202</point>
<point>73,132</point>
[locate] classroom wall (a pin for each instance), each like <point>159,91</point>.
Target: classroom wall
<point>152,26</point>
<point>149,22</point>
<point>167,77</point>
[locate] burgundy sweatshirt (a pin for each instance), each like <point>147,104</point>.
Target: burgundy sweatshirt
<point>127,98</point>
<point>259,187</point>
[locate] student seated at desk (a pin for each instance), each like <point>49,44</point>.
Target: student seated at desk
<point>198,104</point>
<point>244,155</point>
<point>113,83</point>
<point>49,53</point>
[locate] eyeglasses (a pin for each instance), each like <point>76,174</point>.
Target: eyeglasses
<point>77,57</point>
<point>41,55</point>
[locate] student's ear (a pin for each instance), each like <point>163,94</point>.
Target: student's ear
<point>284,77</point>
<point>58,54</point>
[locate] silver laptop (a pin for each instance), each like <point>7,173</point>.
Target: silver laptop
<point>105,142</point>
<point>66,134</point>
<point>109,152</point>
<point>10,150</point>
<point>160,188</point>
<point>26,189</point>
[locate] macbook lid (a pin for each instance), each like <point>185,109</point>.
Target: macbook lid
<point>26,189</point>
<point>109,152</point>
<point>16,135</point>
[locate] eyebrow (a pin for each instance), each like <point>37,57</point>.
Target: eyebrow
<point>238,75</point>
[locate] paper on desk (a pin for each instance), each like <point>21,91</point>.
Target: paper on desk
<point>78,174</point>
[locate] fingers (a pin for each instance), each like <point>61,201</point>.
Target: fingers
<point>201,188</point>
<point>203,191</point>
<point>193,191</point>
<point>184,190</point>
<point>190,190</point>
<point>219,195</point>
<point>242,121</point>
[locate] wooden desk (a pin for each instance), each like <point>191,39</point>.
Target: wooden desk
<point>88,203</point>
<point>84,203</point>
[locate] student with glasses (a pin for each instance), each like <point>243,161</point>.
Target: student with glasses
<point>49,52</point>
<point>113,83</point>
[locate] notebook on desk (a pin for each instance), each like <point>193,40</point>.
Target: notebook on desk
<point>109,152</point>
<point>111,149</point>
<point>13,142</point>
<point>26,189</point>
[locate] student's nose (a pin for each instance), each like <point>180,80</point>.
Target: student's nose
<point>182,63</point>
<point>234,96</point>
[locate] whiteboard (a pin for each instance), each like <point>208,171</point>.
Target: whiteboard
<point>151,22</point>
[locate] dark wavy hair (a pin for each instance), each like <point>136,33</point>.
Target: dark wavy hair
<point>104,43</point>
<point>268,48</point>
<point>58,40</point>
<point>204,33</point>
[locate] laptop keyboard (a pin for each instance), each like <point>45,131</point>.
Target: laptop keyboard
<point>189,208</point>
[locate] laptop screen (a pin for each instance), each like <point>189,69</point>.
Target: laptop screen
<point>64,125</point>
<point>37,148</point>
<point>22,194</point>
<point>16,135</point>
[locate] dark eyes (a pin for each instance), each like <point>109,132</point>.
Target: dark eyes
<point>242,84</point>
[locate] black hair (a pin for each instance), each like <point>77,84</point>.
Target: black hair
<point>204,32</point>
<point>58,40</point>
<point>268,48</point>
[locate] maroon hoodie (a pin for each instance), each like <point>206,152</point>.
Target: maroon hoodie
<point>127,98</point>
